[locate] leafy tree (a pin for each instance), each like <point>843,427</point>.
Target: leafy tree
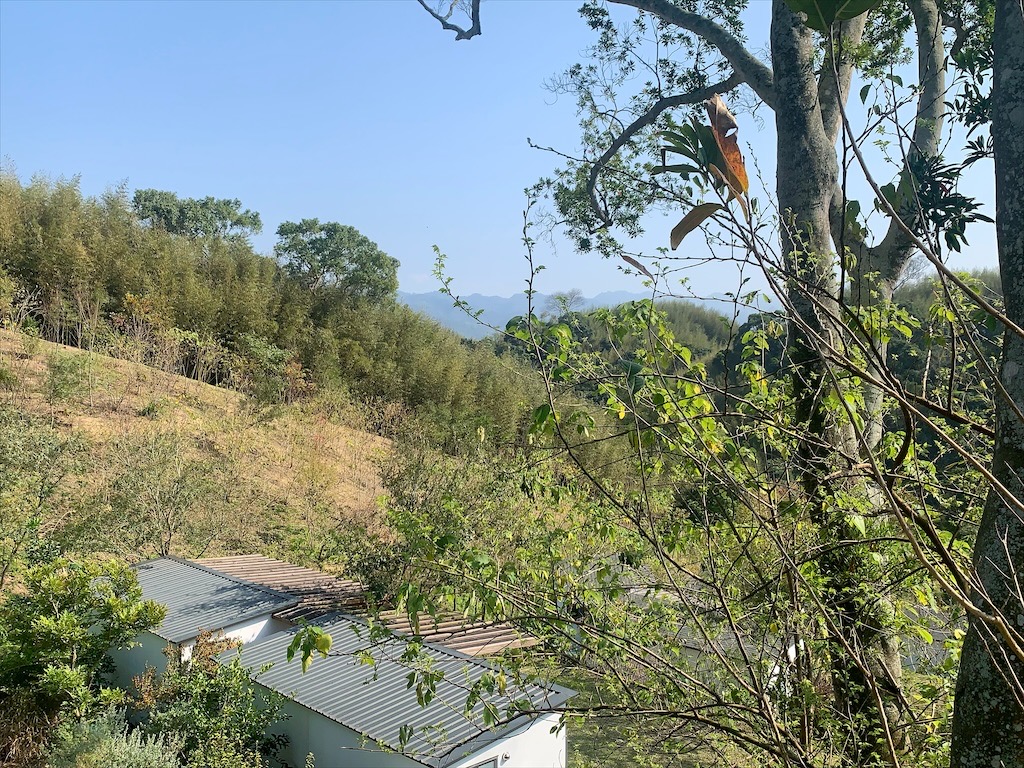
<point>207,217</point>
<point>989,713</point>
<point>804,453</point>
<point>336,256</point>
<point>161,498</point>
<point>35,462</point>
<point>66,377</point>
<point>55,636</point>
<point>213,709</point>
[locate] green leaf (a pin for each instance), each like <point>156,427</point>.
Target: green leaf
<point>679,168</point>
<point>323,643</point>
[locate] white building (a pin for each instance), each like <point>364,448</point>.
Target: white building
<point>197,599</point>
<point>357,707</point>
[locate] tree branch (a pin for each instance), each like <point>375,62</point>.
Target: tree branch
<point>460,32</point>
<point>754,73</point>
<point>834,83</point>
<point>652,114</point>
<point>891,254</point>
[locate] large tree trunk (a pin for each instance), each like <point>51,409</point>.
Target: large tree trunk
<point>806,178</point>
<point>988,721</point>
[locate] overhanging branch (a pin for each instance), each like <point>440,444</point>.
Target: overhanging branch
<point>754,73</point>
<point>652,114</point>
<point>460,32</point>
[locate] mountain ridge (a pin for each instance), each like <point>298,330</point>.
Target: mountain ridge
<point>496,311</point>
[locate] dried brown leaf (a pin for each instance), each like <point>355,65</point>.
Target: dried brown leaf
<point>724,127</point>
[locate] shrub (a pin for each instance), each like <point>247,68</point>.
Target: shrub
<point>55,637</point>
<point>65,377</point>
<point>213,709</point>
<point>105,742</point>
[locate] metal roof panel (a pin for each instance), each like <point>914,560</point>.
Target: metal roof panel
<point>376,700</point>
<point>198,598</point>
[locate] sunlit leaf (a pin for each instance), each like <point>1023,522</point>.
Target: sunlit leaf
<point>691,221</point>
<point>822,13</point>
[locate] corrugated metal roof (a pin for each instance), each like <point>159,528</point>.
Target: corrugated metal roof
<point>198,598</point>
<point>376,700</point>
<point>322,594</point>
<point>319,593</point>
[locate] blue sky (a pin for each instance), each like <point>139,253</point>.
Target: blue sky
<point>360,112</point>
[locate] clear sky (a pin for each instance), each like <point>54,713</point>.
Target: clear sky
<point>362,112</point>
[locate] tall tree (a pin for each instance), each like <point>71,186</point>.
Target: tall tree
<point>836,283</point>
<point>336,256</point>
<point>206,217</point>
<point>988,725</point>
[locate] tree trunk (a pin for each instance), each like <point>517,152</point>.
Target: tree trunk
<point>806,178</point>
<point>988,720</point>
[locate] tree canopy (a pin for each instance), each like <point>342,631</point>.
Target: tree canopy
<point>207,217</point>
<point>336,257</point>
<point>791,501</point>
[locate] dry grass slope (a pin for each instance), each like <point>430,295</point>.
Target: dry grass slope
<point>291,470</point>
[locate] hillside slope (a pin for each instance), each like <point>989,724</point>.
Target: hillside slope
<point>274,481</point>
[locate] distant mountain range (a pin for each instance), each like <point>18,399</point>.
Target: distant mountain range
<point>498,310</point>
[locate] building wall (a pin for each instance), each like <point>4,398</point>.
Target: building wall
<point>244,632</point>
<point>332,744</point>
<point>132,662</point>
<point>533,746</point>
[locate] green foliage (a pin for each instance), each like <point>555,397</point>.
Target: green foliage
<point>676,585</point>
<point>214,710</point>
<point>182,290</point>
<point>307,641</point>
<point>205,218</point>
<point>55,636</point>
<point>822,14</point>
<point>104,741</point>
<point>35,461</point>
<point>336,257</point>
<point>8,289</point>
<point>160,497</point>
<point>66,376</point>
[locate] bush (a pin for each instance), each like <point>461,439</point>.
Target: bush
<point>105,742</point>
<point>9,380</point>
<point>65,377</point>
<point>55,637</point>
<point>213,709</point>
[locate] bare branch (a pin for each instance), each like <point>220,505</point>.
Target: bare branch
<point>755,73</point>
<point>646,119</point>
<point>460,32</point>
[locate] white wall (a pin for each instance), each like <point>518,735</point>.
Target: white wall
<point>132,662</point>
<point>243,632</point>
<point>533,746</point>
<point>332,744</point>
<point>335,746</point>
